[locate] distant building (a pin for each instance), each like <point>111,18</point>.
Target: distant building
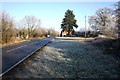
<point>65,33</point>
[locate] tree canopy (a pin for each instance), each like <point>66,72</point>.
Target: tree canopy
<point>31,23</point>
<point>7,27</point>
<point>104,21</point>
<point>69,22</point>
<point>118,17</point>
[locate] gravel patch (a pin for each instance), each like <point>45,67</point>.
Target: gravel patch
<point>69,59</point>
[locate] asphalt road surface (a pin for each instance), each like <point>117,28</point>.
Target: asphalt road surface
<point>13,55</point>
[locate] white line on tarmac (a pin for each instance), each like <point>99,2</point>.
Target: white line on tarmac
<point>36,42</point>
<point>19,47</point>
<point>16,48</point>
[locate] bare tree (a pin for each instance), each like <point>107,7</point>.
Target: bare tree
<point>21,30</point>
<point>93,22</point>
<point>40,31</point>
<point>7,25</point>
<point>118,17</point>
<point>105,21</point>
<point>31,23</point>
<point>52,32</point>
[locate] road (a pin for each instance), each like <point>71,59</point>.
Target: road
<point>13,55</point>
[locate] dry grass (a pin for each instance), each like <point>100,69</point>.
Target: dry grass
<point>18,40</point>
<point>12,42</point>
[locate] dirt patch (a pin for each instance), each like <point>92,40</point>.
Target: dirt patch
<point>69,59</point>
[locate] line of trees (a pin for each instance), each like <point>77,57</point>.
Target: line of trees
<point>7,27</point>
<point>29,27</point>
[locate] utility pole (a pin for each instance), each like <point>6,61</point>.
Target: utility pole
<point>85,27</point>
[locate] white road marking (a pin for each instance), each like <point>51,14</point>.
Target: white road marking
<point>36,42</point>
<point>20,47</point>
<point>16,48</point>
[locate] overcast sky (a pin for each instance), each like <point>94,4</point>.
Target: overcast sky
<point>52,13</point>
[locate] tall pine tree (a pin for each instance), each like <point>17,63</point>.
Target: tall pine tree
<point>69,22</point>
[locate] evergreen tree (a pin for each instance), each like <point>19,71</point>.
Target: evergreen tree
<point>69,22</point>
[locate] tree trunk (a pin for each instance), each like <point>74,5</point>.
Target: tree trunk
<point>6,39</point>
<point>61,34</point>
<point>69,31</point>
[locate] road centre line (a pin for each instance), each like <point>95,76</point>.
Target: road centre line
<point>16,48</point>
<point>19,47</point>
<point>36,42</point>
